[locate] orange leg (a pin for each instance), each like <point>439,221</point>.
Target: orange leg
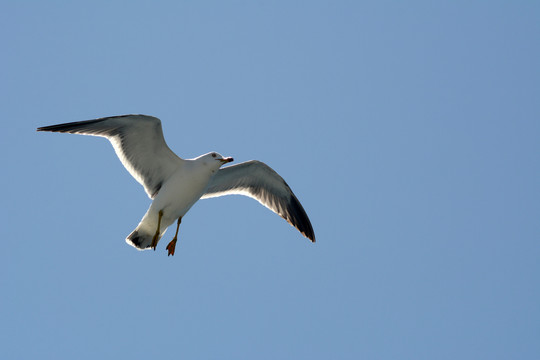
<point>155,239</point>
<point>172,244</point>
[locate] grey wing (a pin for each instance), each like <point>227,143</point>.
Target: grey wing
<point>138,142</point>
<point>260,182</point>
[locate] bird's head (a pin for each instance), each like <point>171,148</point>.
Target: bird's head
<point>214,159</point>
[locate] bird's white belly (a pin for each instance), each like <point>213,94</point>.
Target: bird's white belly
<point>176,196</point>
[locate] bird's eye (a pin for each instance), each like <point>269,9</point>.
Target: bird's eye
<point>214,155</point>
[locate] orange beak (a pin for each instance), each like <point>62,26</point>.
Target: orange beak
<point>226,160</point>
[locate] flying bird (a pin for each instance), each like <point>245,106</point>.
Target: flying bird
<point>175,184</point>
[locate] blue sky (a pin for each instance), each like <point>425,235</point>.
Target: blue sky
<point>409,132</point>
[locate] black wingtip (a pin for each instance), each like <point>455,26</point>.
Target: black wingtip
<point>310,235</point>
<point>78,125</point>
<point>69,127</point>
<point>299,219</point>
<point>45,128</point>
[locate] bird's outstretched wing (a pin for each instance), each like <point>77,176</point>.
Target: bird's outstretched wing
<point>260,182</point>
<point>137,140</point>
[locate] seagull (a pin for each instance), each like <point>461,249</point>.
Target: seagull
<point>175,184</point>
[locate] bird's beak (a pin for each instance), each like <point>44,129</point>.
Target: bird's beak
<point>226,160</point>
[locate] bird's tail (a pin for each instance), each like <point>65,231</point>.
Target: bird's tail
<point>140,240</point>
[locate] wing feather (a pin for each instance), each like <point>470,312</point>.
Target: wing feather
<point>257,180</point>
<point>138,142</point>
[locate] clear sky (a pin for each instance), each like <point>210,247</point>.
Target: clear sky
<point>408,130</point>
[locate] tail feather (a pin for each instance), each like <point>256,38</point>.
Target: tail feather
<point>140,240</point>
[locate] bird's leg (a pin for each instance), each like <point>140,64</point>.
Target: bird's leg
<point>155,239</point>
<point>172,244</point>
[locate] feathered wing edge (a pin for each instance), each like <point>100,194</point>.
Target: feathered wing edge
<point>257,180</point>
<point>138,142</point>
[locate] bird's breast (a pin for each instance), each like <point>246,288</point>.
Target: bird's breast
<point>181,191</point>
